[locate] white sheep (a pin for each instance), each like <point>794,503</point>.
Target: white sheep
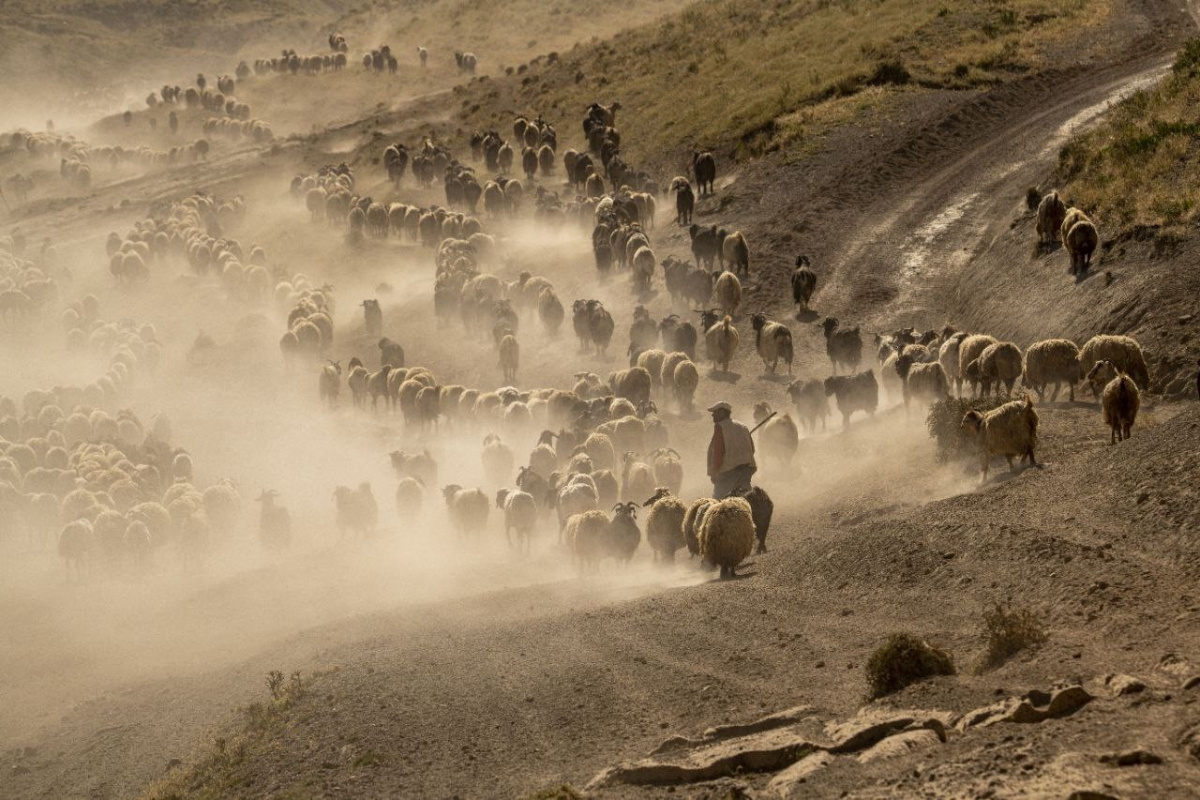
<point>727,535</point>
<point>468,509</point>
<point>1000,363</point>
<point>498,460</point>
<point>728,290</point>
<point>1010,430</point>
<point>721,343</point>
<point>520,515</point>
<point>1123,351</point>
<point>664,524</point>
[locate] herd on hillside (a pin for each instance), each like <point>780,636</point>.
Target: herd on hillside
<point>77,465</point>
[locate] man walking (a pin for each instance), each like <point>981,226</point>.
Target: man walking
<point>730,453</point>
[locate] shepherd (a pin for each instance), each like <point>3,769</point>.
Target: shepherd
<point>730,452</point>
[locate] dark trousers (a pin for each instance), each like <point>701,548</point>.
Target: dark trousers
<point>737,478</point>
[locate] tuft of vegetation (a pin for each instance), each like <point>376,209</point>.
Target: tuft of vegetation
<point>1006,633</point>
<point>944,423</point>
<point>224,772</point>
<point>903,660</point>
<point>1141,167</point>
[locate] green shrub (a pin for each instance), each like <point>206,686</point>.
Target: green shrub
<point>1006,633</point>
<point>944,423</point>
<point>902,660</point>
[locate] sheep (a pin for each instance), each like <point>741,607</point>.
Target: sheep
<point>692,519</point>
<point>685,201</point>
<point>599,448</point>
<point>585,535</point>
<point>391,353</point>
<point>410,496</point>
<point>377,387</point>
<point>854,393</point>
<point>75,544</point>
<point>1051,361</point>
<point>550,311</point>
<point>1119,402</point>
<point>773,342</point>
<point>735,252</point>
<point>520,515</point>
<point>1123,351</point>
<point>721,343</point>
<point>637,477</point>
<point>1081,243</point>
<point>356,509</point>
<point>804,283</point>
<point>685,380</point>
<point>632,384</point>
<point>705,168</point>
<point>468,509</point>
<point>664,524</point>
<point>999,363</point>
<point>1098,377</point>
<point>726,535</point>
<point>373,317</point>
<point>497,458</point>
<point>948,358</point>
<point>357,381</point>
<point>811,403</point>
<point>510,357</point>
<point>421,466</point>
<point>668,468</point>
<point>623,535</point>
<point>1051,212</point>
<point>1010,430</point>
<point>780,439</point>
<point>728,290</point>
<point>924,381</point>
<point>968,351</point>
<point>576,495</point>
<point>843,346</point>
<point>642,269</point>
<point>762,509</point>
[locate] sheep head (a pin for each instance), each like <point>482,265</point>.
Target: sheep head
<point>829,325</point>
<point>501,496</point>
<point>972,422</point>
<point>450,491</point>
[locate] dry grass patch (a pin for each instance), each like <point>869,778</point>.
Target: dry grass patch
<point>1008,632</point>
<point>1142,165</point>
<point>739,71</point>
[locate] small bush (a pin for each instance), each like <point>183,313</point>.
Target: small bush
<point>903,660</point>
<point>1006,633</point>
<point>1187,61</point>
<point>1033,198</point>
<point>891,72</point>
<point>944,423</point>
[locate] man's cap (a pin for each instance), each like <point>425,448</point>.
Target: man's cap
<point>720,406</point>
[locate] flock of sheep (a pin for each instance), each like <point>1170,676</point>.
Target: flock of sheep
<point>75,464</point>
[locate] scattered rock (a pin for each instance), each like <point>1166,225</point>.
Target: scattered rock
<point>19,769</point>
<point>871,725</point>
<point>1130,758</point>
<point>1190,742</point>
<point>1034,706</point>
<point>1191,683</point>
<point>902,744</point>
<point>789,783</point>
<point>779,719</point>
<point>1121,685</point>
